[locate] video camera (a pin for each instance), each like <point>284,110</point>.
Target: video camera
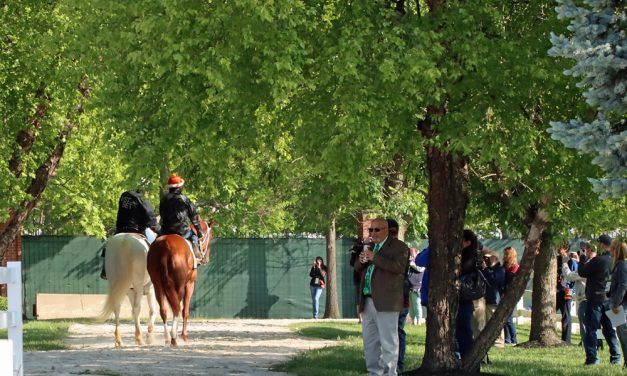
<point>358,245</point>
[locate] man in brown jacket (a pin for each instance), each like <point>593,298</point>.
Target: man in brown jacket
<point>381,298</point>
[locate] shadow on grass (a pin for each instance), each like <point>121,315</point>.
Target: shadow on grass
<point>328,333</point>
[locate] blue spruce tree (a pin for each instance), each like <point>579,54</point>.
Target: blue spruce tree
<point>598,44</point>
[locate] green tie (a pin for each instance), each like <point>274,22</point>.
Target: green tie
<point>369,272</point>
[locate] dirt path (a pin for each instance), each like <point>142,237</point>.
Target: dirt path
<point>216,347</point>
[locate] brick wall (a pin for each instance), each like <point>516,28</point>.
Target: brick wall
<point>363,222</point>
<point>14,253</point>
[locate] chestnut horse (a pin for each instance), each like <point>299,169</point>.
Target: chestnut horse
<point>171,269</point>
<point>125,265</point>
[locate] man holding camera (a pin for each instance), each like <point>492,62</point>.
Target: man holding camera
<point>597,273</point>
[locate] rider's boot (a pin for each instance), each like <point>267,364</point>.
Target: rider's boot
<point>197,251</point>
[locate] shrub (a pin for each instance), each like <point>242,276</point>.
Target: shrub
<point>4,303</point>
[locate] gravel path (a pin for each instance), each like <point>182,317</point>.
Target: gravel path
<point>216,347</point>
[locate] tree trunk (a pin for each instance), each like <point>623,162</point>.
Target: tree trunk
<point>45,172</point>
<point>403,226</point>
<point>447,200</point>
<point>331,309</point>
<point>514,291</point>
<point>543,297</point>
<point>164,175</point>
<point>26,137</point>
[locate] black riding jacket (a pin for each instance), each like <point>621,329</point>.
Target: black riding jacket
<point>176,212</point>
<point>135,214</point>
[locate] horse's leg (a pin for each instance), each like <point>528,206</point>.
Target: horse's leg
<point>135,296</point>
<point>174,329</point>
<point>163,311</point>
<point>152,308</point>
<point>118,336</point>
<point>189,290</point>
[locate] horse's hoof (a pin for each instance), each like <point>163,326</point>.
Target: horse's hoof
<point>173,342</point>
<point>185,338</point>
<point>149,339</point>
<point>118,344</point>
<point>139,342</point>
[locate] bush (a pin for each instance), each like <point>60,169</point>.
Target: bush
<point>4,303</point>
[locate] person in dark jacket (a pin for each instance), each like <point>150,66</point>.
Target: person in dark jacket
<point>316,284</point>
<point>177,211</point>
<point>135,215</point>
<point>494,274</point>
<point>618,290</point>
<point>597,272</point>
<point>463,328</point>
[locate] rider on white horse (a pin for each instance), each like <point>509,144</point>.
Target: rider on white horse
<point>175,210</point>
<point>135,215</point>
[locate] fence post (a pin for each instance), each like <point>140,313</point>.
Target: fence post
<point>12,320</point>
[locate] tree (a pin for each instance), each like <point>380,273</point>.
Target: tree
<point>41,105</point>
<point>598,45</point>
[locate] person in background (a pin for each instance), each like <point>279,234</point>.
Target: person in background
<point>317,273</point>
<point>605,242</point>
<point>135,215</point>
<point>479,305</point>
<point>564,293</point>
<point>494,273</point>
<point>463,328</point>
<point>597,272</point>
<point>618,290</point>
<point>510,263</point>
<point>414,276</point>
<point>572,276</point>
<point>422,261</point>
<point>381,298</point>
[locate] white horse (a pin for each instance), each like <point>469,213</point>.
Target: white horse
<point>125,265</point>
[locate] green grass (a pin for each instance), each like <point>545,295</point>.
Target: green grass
<point>43,335</point>
<point>347,357</point>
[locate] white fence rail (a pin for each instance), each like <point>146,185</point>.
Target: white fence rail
<point>11,358</point>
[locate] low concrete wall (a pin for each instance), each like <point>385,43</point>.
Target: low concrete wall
<point>71,306</point>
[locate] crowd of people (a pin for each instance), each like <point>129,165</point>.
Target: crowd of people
<point>391,280</point>
<point>585,274</point>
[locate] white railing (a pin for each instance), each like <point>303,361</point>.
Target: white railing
<point>11,349</point>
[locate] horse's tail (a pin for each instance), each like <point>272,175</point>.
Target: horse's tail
<point>171,289</point>
<point>120,277</point>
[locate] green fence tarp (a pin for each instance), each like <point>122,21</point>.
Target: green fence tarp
<point>257,278</point>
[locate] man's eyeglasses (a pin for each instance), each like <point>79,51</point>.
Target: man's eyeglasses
<point>375,229</point>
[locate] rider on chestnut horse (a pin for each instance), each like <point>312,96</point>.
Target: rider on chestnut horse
<point>175,210</point>
<point>135,214</point>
